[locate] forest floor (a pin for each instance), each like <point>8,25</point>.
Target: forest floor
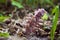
<point>29,38</point>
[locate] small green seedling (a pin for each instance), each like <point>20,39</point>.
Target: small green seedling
<point>54,26</point>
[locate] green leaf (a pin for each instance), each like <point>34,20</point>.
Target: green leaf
<point>53,11</point>
<point>54,26</point>
<point>15,3</point>
<point>45,17</point>
<point>3,17</point>
<point>49,1</point>
<point>6,35</point>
